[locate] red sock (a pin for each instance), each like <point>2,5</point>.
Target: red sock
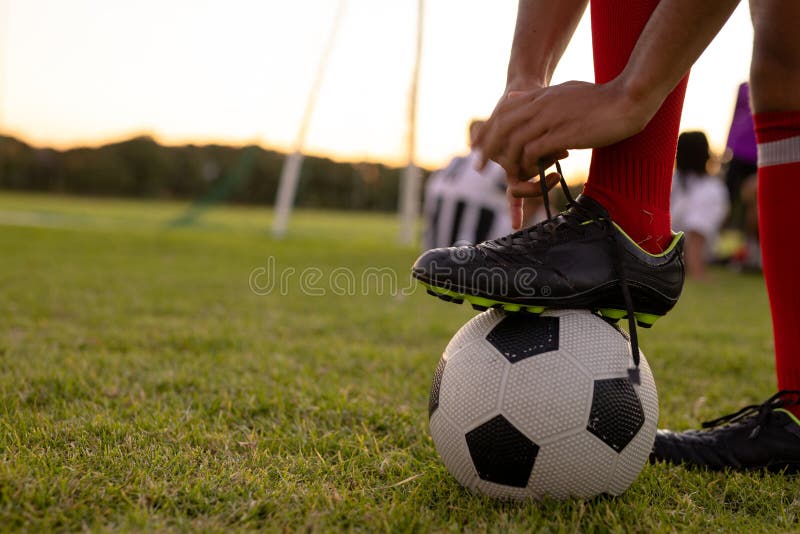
<point>778,135</point>
<point>632,179</point>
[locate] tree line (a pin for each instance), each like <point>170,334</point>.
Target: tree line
<point>141,167</point>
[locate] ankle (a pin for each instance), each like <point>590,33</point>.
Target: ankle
<point>647,226</point>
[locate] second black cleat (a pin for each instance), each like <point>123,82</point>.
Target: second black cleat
<point>765,436</point>
<point>578,259</point>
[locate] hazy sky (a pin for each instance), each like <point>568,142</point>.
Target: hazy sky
<point>86,71</point>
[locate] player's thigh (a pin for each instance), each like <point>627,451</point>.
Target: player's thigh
<point>775,68</point>
<point>776,28</point>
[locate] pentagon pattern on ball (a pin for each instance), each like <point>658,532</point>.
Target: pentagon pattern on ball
<point>501,453</point>
<point>616,415</point>
<point>433,400</point>
<point>519,336</point>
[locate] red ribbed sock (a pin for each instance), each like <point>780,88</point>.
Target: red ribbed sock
<point>632,179</point>
<point>778,135</point>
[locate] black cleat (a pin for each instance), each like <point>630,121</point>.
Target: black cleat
<point>578,259</point>
<point>762,436</point>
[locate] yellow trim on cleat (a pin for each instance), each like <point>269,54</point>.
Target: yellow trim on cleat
<point>676,237</point>
<point>792,416</point>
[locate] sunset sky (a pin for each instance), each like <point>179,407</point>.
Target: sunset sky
<point>87,71</point>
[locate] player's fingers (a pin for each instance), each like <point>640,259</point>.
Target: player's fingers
<point>505,117</point>
<point>485,131</point>
<point>491,142</point>
<point>481,143</point>
<point>518,126</point>
<point>527,130</point>
<point>533,188</point>
<point>525,190</point>
<point>503,122</point>
<point>481,160</point>
<point>515,210</point>
<point>532,169</point>
<point>544,149</point>
<point>562,154</point>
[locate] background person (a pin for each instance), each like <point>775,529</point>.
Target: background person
<point>699,202</point>
<point>742,150</point>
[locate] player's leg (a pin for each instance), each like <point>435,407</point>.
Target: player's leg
<point>766,436</point>
<point>632,178</point>
<point>775,98</point>
<point>584,260</point>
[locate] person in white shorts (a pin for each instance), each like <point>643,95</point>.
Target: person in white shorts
<point>699,202</point>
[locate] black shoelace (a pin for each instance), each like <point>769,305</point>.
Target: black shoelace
<point>785,397</point>
<point>546,231</point>
<point>548,227</point>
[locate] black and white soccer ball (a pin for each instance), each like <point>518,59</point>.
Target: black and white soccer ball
<point>524,406</point>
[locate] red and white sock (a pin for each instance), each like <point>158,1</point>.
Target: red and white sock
<point>778,135</point>
<point>632,179</point>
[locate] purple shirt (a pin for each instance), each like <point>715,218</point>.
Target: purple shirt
<point>742,135</point>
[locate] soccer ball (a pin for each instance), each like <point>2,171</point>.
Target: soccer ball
<point>524,406</point>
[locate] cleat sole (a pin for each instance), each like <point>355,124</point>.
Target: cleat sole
<point>612,315</point>
<point>479,303</point>
<point>645,320</point>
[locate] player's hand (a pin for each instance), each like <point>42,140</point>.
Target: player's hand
<point>541,124</point>
<point>518,190</point>
<point>506,102</point>
<point>518,184</point>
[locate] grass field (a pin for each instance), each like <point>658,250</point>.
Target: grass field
<point>145,385</point>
